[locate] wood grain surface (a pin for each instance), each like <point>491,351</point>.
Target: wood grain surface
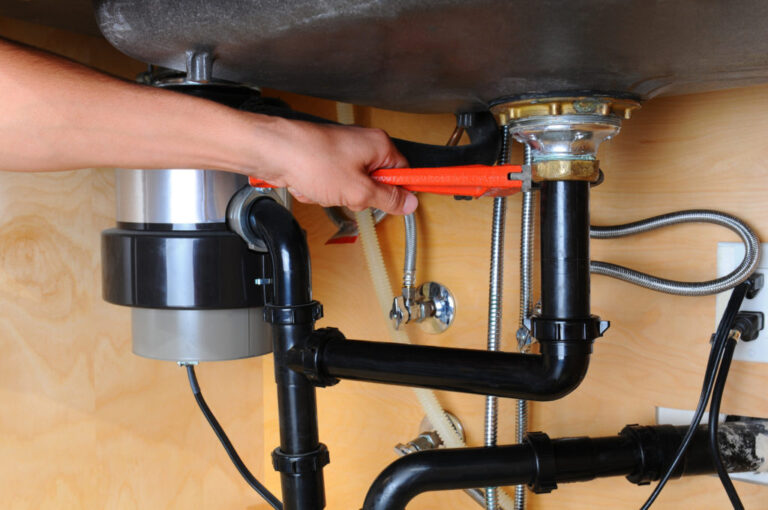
<point>86,424</point>
<point>697,151</point>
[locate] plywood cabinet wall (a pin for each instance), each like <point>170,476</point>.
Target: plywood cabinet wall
<point>85,424</point>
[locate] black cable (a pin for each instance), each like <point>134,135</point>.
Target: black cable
<point>710,374</point>
<point>225,442</point>
<point>714,412</point>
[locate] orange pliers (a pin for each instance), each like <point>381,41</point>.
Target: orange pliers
<point>468,180</point>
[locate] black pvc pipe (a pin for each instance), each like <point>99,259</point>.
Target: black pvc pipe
<point>288,250</point>
<point>640,453</point>
<point>296,400</point>
<point>554,373</point>
<point>461,468</point>
<point>575,459</point>
<point>565,329</point>
<point>565,250</point>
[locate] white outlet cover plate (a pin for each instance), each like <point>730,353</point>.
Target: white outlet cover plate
<point>729,255</point>
<point>671,416</point>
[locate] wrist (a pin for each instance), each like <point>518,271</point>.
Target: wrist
<point>257,146</point>
<point>198,133</point>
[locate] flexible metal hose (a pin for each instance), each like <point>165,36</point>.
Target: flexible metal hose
<point>495,288</point>
<point>409,267</point>
<point>729,281</point>
<point>526,250</point>
<point>526,307</point>
<point>494,322</point>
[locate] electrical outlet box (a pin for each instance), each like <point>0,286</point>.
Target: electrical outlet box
<point>729,255</point>
<point>670,416</point>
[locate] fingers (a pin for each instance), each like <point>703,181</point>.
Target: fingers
<point>392,157</point>
<point>390,199</point>
<point>335,163</point>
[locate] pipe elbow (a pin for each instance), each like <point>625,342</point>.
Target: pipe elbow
<point>398,484</point>
<point>564,365</point>
<point>451,468</point>
<point>288,250</point>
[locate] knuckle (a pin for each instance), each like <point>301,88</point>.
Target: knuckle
<point>361,198</point>
<point>394,199</point>
<point>366,193</point>
<point>379,135</point>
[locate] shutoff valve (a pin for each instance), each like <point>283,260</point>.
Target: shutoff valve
<point>431,305</point>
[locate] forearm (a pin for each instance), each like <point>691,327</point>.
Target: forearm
<point>58,115</point>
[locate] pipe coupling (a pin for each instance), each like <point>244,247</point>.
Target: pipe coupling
<point>546,464</point>
<point>297,464</point>
<point>544,329</point>
<point>306,360</point>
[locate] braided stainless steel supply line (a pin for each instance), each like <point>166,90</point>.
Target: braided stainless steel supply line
<point>494,309</point>
<point>409,267</point>
<point>729,281</point>
<point>494,323</point>
<point>526,307</point>
<point>526,249</point>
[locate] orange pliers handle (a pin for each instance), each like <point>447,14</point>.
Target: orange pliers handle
<point>468,180</point>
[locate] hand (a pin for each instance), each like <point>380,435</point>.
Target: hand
<point>330,165</point>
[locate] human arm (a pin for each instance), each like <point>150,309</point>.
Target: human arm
<point>59,115</point>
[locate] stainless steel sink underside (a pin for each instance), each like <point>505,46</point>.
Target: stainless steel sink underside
<point>453,55</point>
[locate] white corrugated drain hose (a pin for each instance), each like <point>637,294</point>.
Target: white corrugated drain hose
<point>381,283</point>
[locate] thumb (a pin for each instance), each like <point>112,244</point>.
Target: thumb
<point>393,200</point>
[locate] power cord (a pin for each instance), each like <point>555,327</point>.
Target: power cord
<point>225,442</point>
<point>719,343</point>
<point>746,327</point>
<point>714,412</point>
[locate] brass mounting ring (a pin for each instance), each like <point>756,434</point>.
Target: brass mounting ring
<point>554,106</point>
<point>566,170</point>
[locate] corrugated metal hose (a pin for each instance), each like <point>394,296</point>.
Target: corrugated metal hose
<point>729,281</point>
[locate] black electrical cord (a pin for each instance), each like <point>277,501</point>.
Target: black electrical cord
<point>714,412</point>
<point>225,442</point>
<point>710,374</point>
